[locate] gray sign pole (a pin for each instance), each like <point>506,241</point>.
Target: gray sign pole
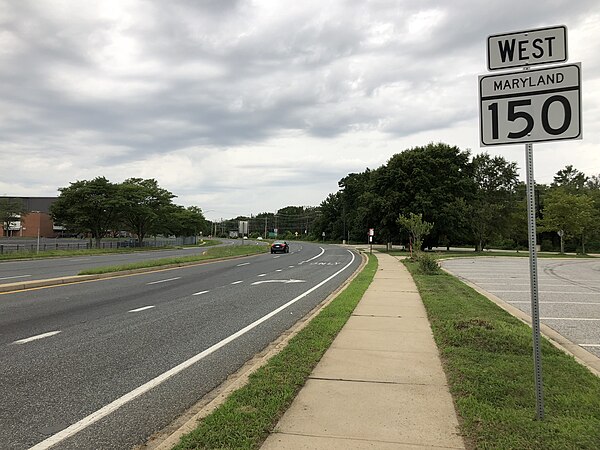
<point>533,273</point>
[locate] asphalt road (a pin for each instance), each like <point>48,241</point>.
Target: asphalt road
<point>104,364</point>
<point>569,291</point>
<point>40,269</point>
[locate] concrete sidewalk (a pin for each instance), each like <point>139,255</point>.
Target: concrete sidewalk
<point>381,383</point>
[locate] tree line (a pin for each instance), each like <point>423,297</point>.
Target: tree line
<point>476,201</point>
<point>139,206</point>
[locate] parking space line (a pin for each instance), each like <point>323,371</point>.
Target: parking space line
<point>557,303</point>
<point>569,318</point>
<point>547,292</point>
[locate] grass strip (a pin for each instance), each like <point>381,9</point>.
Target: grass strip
<point>93,251</point>
<point>487,356</point>
<point>211,253</point>
<point>251,412</point>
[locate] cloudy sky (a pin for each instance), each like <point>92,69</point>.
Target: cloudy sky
<point>241,107</point>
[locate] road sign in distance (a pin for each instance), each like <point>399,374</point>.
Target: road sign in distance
<point>530,106</point>
<point>527,48</point>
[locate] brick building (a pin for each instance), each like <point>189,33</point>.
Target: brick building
<point>37,218</point>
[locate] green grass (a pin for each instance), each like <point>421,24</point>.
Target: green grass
<point>92,251</point>
<point>487,356</point>
<point>211,253</point>
<point>247,416</point>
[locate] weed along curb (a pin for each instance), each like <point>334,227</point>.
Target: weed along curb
<point>256,372</point>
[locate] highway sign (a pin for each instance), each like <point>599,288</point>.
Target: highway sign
<point>527,48</point>
<point>530,106</point>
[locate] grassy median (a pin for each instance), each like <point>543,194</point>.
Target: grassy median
<point>211,253</point>
<point>487,356</point>
<point>250,413</point>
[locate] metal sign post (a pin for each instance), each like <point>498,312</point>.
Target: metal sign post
<point>530,106</point>
<point>533,275</point>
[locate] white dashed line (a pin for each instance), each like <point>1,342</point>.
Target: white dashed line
<point>16,276</point>
<point>141,309</point>
<point>291,267</point>
<point>242,264</point>
<point>164,281</point>
<point>278,256</point>
<point>238,282</point>
<point>262,275</point>
<point>201,292</point>
<point>35,338</point>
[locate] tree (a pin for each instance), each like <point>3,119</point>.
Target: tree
<point>573,214</point>
<point>496,180</point>
<point>571,179</point>
<point>416,227</point>
<point>186,221</point>
<point>88,207</point>
<point>144,206</point>
<point>11,209</point>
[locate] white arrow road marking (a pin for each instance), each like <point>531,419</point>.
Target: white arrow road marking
<point>35,338</point>
<point>201,292</point>
<point>141,309</point>
<point>278,281</point>
<point>16,276</point>
<point>164,281</point>
<point>116,404</point>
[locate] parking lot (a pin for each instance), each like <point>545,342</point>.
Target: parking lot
<point>569,291</point>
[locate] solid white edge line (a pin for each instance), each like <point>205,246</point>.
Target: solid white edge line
<point>163,281</point>
<point>242,264</point>
<point>589,345</point>
<point>35,338</point>
<point>111,407</point>
<point>142,308</point>
<point>315,257</point>
<point>201,292</point>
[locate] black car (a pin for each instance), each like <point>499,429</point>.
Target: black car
<point>280,247</point>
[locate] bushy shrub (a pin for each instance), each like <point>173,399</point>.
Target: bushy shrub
<point>428,264</point>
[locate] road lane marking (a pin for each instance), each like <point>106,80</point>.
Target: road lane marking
<point>278,281</point>
<point>315,257</point>
<point>164,281</point>
<point>589,345</point>
<point>238,282</point>
<point>242,264</point>
<point>79,259</point>
<point>141,309</point>
<point>35,338</point>
<point>278,256</point>
<point>262,275</point>
<point>201,292</point>
<point>291,267</point>
<point>116,404</point>
<point>279,270</point>
<point>16,276</point>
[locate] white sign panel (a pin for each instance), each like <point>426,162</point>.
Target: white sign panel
<point>527,48</point>
<point>530,106</point>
